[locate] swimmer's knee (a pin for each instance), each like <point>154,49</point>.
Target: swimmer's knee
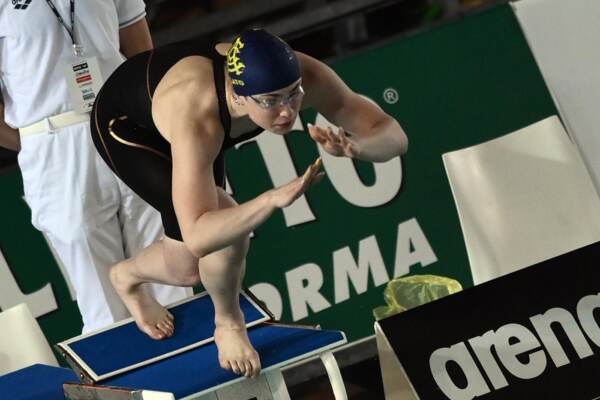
<point>191,279</point>
<point>180,263</point>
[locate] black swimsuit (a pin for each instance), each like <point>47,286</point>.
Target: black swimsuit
<point>127,139</point>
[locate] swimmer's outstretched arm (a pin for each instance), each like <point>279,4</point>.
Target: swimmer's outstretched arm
<point>206,228</point>
<point>364,131</point>
<point>206,225</point>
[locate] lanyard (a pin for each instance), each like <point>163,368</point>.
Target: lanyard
<point>70,31</point>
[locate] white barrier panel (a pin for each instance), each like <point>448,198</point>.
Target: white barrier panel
<point>564,36</point>
<point>522,198</point>
<point>22,342</point>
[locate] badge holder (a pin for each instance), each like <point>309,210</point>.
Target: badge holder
<point>84,80</point>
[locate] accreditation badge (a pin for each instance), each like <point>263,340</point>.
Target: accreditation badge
<point>84,82</point>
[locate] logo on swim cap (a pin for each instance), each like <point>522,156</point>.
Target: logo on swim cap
<point>234,64</point>
<point>260,62</point>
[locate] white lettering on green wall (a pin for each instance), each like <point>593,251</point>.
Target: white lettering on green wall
<point>305,283</point>
<point>340,171</point>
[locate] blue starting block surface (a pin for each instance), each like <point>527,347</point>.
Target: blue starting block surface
<point>197,371</point>
<point>37,382</point>
<point>123,347</point>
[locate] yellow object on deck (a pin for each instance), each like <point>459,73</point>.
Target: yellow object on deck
<point>404,293</point>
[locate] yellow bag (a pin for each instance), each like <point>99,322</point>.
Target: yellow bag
<point>404,293</point>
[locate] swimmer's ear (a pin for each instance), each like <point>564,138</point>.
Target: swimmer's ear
<point>238,100</point>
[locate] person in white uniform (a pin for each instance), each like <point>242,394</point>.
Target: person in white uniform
<point>54,55</point>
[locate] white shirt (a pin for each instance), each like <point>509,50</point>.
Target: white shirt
<point>35,48</point>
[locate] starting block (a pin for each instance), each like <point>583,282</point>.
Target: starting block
<point>121,362</point>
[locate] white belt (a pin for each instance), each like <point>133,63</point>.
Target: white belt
<point>53,123</point>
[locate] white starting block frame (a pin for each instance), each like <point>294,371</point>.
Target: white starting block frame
<point>157,378</point>
<point>270,385</point>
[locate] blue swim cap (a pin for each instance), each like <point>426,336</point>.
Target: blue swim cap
<point>259,62</point>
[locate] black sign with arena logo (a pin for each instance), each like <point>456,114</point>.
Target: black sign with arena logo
<point>532,334</point>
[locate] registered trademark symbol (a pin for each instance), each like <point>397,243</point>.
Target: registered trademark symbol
<point>390,95</point>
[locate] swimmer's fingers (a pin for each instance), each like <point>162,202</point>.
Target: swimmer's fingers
<point>309,176</point>
<point>285,195</point>
<point>317,133</point>
<point>349,147</point>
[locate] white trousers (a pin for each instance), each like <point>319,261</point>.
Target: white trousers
<point>91,218</point>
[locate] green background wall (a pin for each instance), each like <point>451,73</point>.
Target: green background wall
<point>458,85</point>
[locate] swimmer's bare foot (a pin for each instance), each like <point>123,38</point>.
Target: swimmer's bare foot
<point>150,317</point>
<point>235,351</point>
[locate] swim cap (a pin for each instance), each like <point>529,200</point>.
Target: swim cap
<point>259,62</point>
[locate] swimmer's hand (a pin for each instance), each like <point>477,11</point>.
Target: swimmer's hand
<point>285,195</point>
<point>337,144</point>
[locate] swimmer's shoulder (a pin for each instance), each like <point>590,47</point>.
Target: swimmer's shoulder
<point>192,71</point>
<point>188,95</point>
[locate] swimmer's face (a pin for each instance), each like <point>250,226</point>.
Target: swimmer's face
<point>276,111</point>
